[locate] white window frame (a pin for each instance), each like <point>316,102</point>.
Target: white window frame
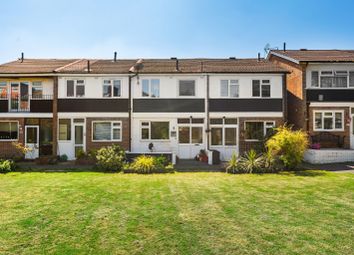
<point>261,84</point>
<point>112,122</point>
<point>237,84</point>
<point>4,84</point>
<point>149,88</point>
<point>71,130</point>
<point>334,129</point>
<point>223,126</point>
<point>333,74</point>
<point>75,85</point>
<point>178,88</point>
<point>18,130</point>
<point>265,127</point>
<point>112,88</point>
<point>149,128</point>
<point>39,84</point>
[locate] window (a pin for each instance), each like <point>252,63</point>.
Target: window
<point>111,88</point>
<point>75,88</point>
<point>332,79</point>
<point>186,88</point>
<point>229,88</point>
<point>261,88</point>
<point>3,89</point>
<point>106,131</point>
<point>257,130</point>
<point>64,129</point>
<point>8,130</point>
<point>328,120</point>
<point>150,88</point>
<point>223,132</point>
<point>37,89</point>
<point>155,130</point>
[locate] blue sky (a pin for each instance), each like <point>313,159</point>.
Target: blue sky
<point>157,28</point>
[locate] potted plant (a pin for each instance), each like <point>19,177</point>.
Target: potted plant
<point>202,156</point>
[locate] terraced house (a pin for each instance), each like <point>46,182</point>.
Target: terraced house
<point>320,87</point>
<point>179,106</point>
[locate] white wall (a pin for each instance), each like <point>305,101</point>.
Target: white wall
<point>93,85</point>
<point>169,85</point>
<point>326,67</point>
<point>245,83</point>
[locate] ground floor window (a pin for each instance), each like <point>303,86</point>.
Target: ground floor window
<point>9,130</point>
<point>155,130</point>
<point>107,131</point>
<point>258,130</point>
<point>328,120</point>
<point>64,129</point>
<point>223,132</point>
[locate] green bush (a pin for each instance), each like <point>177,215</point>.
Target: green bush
<point>63,158</point>
<point>7,166</point>
<point>110,158</point>
<point>288,146</point>
<point>233,165</point>
<point>148,164</point>
<point>252,162</point>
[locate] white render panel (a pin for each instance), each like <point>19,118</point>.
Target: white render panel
<point>93,85</point>
<point>326,67</point>
<point>326,156</point>
<point>169,85</point>
<point>245,84</point>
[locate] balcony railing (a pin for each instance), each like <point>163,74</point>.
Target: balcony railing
<point>30,103</point>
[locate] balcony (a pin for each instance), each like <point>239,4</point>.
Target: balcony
<point>33,104</point>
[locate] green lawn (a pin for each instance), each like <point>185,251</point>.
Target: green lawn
<point>183,213</point>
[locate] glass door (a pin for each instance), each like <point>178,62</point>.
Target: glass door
<point>32,142</point>
<point>14,96</point>
<point>19,96</point>
<point>79,141</point>
<point>190,140</point>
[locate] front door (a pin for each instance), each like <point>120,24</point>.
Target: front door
<point>190,140</point>
<point>79,141</point>
<point>32,142</point>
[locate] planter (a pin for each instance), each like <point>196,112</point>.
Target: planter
<point>46,160</point>
<point>85,161</point>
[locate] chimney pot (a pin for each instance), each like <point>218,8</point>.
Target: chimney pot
<point>284,46</point>
<point>115,56</point>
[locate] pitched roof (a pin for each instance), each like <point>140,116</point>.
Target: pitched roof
<point>33,66</point>
<point>153,66</point>
<point>305,55</point>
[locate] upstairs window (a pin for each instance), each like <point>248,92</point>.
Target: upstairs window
<point>332,79</point>
<point>260,88</point>
<point>37,89</point>
<point>111,88</point>
<point>3,89</point>
<point>150,88</point>
<point>229,88</point>
<point>186,88</point>
<point>75,88</point>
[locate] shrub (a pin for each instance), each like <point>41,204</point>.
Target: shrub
<point>252,162</point>
<point>63,158</point>
<point>144,164</point>
<point>288,145</point>
<point>7,166</point>
<point>110,158</point>
<point>233,165</point>
<point>81,154</point>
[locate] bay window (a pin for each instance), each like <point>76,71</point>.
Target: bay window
<point>106,131</point>
<point>8,130</point>
<point>328,120</point>
<point>155,130</point>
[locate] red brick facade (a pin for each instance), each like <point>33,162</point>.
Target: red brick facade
<point>7,150</point>
<point>245,146</point>
<point>91,145</point>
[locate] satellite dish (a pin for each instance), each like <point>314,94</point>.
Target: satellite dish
<point>266,49</point>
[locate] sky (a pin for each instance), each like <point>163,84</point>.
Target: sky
<point>170,28</point>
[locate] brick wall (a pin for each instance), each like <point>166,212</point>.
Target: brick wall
<point>345,133</point>
<point>247,145</point>
<point>7,150</point>
<point>96,145</point>
<point>296,93</point>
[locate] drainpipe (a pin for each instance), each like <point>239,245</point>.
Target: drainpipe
<point>55,117</point>
<point>207,112</point>
<point>130,109</point>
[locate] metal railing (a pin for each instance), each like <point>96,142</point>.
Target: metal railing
<point>23,103</point>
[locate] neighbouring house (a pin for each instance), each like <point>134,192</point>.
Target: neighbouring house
<point>179,106</point>
<point>320,99</point>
